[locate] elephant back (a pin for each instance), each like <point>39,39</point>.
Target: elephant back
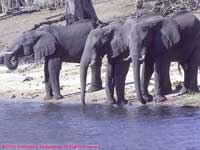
<point>73,37</point>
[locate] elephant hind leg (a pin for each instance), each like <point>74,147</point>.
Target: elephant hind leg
<point>193,72</point>
<point>185,88</point>
<point>54,67</point>
<point>190,76</point>
<point>167,86</point>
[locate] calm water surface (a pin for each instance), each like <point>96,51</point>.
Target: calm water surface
<point>129,128</point>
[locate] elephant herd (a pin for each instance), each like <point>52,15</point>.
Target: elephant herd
<point>151,40</point>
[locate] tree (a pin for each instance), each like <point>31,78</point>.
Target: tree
<point>58,3</point>
<point>75,10</point>
<point>9,5</point>
<point>29,2</point>
<point>4,6</point>
<point>78,10</point>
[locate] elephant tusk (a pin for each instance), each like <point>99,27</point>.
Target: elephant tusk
<point>142,58</point>
<point>7,53</point>
<point>92,62</point>
<point>30,56</point>
<point>127,59</point>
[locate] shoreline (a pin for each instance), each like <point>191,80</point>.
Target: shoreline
<point>27,82</point>
<point>96,98</point>
<point>30,87</point>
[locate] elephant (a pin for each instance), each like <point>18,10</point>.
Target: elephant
<point>167,86</point>
<point>107,41</point>
<point>1,60</point>
<point>112,40</point>
<point>56,44</point>
<point>156,43</point>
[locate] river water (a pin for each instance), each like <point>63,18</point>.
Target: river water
<point>123,128</point>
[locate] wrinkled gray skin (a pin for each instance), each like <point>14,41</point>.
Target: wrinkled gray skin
<point>56,44</point>
<point>166,81</point>
<point>157,42</point>
<point>107,41</point>
<point>1,60</point>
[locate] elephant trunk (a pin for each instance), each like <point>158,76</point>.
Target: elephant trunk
<point>136,72</point>
<point>83,76</point>
<point>11,56</point>
<point>11,60</point>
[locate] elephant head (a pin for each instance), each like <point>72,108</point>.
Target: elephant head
<point>100,42</point>
<point>148,40</point>
<point>38,43</point>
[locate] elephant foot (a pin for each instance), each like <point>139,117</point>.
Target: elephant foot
<point>159,99</point>
<point>95,88</point>
<point>57,97</point>
<point>122,102</point>
<point>142,101</point>
<point>48,97</point>
<point>110,102</point>
<point>167,91</point>
<point>148,98</point>
<point>183,91</point>
<point>194,89</point>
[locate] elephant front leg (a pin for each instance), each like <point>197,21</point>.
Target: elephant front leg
<point>110,84</point>
<point>167,86</point>
<point>190,77</point>
<point>121,68</point>
<point>147,71</point>
<point>54,66</point>
<point>96,82</point>
<point>160,68</point>
<point>120,72</point>
<point>48,87</point>
<point>193,72</point>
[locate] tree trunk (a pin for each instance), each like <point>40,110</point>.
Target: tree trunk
<point>4,4</point>
<point>78,10</point>
<point>1,8</point>
<point>58,3</point>
<point>29,2</point>
<point>8,5</point>
<point>22,3</point>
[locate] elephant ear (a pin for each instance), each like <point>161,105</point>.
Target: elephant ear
<point>107,35</point>
<point>117,45</point>
<point>170,34</point>
<point>45,46</point>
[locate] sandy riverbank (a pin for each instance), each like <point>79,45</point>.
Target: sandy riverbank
<point>27,82</point>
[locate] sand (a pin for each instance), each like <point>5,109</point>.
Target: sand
<point>27,82</point>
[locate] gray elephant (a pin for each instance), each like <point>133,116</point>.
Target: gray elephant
<point>1,59</point>
<point>56,44</point>
<point>157,42</point>
<point>167,88</point>
<point>107,41</point>
<point>114,41</point>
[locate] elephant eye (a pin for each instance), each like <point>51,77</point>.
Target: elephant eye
<point>146,42</point>
<point>145,29</point>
